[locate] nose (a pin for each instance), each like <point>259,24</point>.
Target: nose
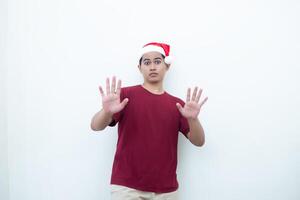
<point>153,67</point>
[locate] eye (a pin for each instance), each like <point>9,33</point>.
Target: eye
<point>146,63</point>
<point>157,62</point>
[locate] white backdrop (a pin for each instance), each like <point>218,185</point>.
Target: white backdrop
<point>244,54</point>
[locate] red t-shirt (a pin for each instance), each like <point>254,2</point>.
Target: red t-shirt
<point>146,153</point>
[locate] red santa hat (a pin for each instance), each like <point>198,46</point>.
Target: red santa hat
<point>162,48</point>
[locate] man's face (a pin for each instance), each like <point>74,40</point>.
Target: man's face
<point>153,67</point>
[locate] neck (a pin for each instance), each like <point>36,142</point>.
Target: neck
<point>156,88</point>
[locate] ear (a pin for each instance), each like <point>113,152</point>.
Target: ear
<point>168,66</point>
<point>139,66</point>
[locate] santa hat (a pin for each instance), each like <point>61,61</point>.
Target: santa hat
<point>162,48</point>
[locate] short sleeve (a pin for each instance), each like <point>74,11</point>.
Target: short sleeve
<point>117,116</point>
<point>183,124</point>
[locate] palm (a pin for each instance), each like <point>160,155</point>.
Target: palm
<point>111,101</point>
<point>190,110</point>
<point>192,106</point>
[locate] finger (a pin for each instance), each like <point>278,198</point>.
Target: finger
<point>198,96</point>
<point>194,93</point>
<point>124,102</point>
<point>101,91</point>
<point>179,107</point>
<point>188,96</point>
<point>119,88</point>
<point>113,85</point>
<point>107,86</point>
<point>203,101</point>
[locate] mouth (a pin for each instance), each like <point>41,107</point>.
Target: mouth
<point>153,74</point>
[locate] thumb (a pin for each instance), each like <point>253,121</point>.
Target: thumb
<point>124,102</point>
<point>179,107</point>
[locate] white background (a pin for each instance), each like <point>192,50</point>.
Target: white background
<point>243,53</point>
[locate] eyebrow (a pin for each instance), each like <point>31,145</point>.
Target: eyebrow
<point>146,59</point>
<point>154,58</point>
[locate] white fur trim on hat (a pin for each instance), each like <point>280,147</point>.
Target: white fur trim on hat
<point>168,59</point>
<point>151,48</point>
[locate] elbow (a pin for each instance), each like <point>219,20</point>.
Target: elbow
<point>199,144</point>
<point>94,128</point>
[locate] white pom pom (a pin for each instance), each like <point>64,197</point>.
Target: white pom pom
<point>168,60</point>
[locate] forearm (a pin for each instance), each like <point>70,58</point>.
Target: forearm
<point>197,136</point>
<point>100,120</point>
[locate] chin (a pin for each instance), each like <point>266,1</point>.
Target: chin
<point>154,80</point>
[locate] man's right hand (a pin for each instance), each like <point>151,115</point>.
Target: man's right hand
<point>111,101</point>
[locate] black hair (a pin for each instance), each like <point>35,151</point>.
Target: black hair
<point>142,59</point>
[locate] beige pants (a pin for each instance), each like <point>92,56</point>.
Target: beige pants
<point>120,192</point>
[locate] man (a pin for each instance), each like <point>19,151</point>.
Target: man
<point>149,120</point>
